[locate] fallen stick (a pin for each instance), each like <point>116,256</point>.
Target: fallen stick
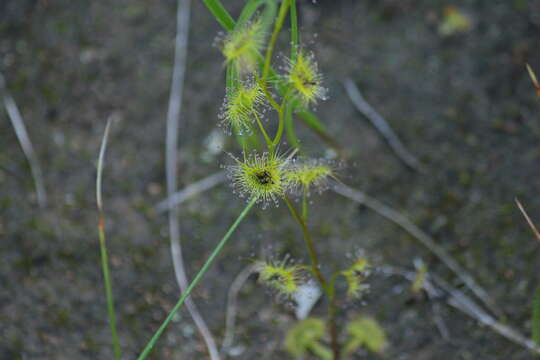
<point>382,126</point>
<point>465,304</point>
<point>171,145</point>
<point>16,119</point>
<point>422,237</point>
<point>191,191</point>
<point>232,296</point>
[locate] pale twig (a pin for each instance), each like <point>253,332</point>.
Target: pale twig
<point>432,295</point>
<point>12,173</point>
<point>191,191</point>
<point>529,221</point>
<point>422,237</point>
<point>439,321</point>
<point>465,304</point>
<point>382,126</point>
<point>103,246</point>
<point>232,296</point>
<point>173,119</point>
<point>101,159</point>
<point>22,135</point>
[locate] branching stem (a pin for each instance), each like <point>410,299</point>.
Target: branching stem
<point>328,288</point>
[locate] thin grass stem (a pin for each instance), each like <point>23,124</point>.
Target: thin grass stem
<point>263,131</point>
<point>103,247</point>
<point>146,351</point>
<point>220,14</point>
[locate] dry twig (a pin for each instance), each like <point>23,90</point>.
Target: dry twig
<point>173,119</point>
<point>460,301</point>
<point>382,126</point>
<point>422,237</point>
<point>22,135</point>
<point>191,191</point>
<point>529,221</point>
<point>232,296</point>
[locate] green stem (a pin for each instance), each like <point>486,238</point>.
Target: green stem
<point>309,244</point>
<point>103,245</point>
<point>327,287</point>
<point>269,97</point>
<point>263,131</point>
<point>281,113</point>
<point>289,127</point>
<point>332,311</point>
<point>198,277</point>
<point>305,205</point>
<point>277,27</point>
<point>311,121</point>
<point>108,287</point>
<point>281,126</point>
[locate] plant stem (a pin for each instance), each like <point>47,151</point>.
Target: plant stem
<point>108,288</point>
<point>327,287</point>
<point>277,27</point>
<point>281,113</point>
<point>263,131</point>
<point>311,121</point>
<point>103,246</point>
<point>269,97</point>
<point>305,205</point>
<point>309,244</point>
<point>195,281</point>
<point>281,125</point>
<point>289,126</point>
<point>332,311</point>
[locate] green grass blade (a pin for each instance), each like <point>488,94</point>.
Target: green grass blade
<point>318,128</point>
<point>195,281</point>
<point>103,248</point>
<point>312,121</point>
<point>220,13</point>
<point>536,317</point>
<point>268,15</point>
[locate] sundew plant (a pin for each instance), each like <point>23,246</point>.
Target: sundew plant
<point>265,94</point>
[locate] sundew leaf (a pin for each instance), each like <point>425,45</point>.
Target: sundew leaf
<point>365,331</point>
<point>304,337</point>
